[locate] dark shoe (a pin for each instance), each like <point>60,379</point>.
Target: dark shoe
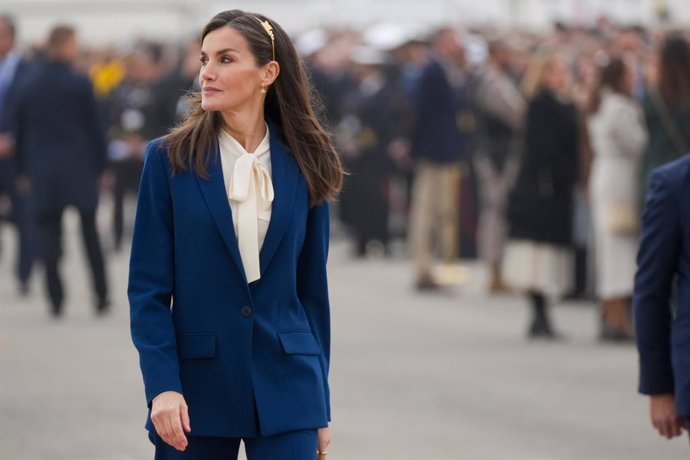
<point>427,285</point>
<point>610,334</point>
<point>103,307</point>
<point>543,330</point>
<point>56,310</point>
<point>23,288</point>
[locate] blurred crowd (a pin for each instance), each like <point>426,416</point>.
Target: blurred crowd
<point>529,151</point>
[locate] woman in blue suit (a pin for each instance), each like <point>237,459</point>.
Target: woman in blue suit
<point>228,286</point>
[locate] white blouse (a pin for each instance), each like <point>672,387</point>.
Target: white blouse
<point>250,193</point>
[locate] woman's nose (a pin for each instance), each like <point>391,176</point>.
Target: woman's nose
<point>207,73</point>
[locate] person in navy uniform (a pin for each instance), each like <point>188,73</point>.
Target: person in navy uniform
<point>61,158</point>
<point>228,285</point>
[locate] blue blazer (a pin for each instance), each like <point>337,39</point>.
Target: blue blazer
<point>663,335</point>
<point>249,359</point>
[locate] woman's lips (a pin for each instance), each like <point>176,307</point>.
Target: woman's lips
<point>210,91</point>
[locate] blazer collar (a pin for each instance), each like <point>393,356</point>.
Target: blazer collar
<point>284,175</point>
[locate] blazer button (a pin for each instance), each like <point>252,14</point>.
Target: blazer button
<point>246,311</point>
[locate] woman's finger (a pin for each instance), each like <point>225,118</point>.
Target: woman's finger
<point>178,437</point>
<point>184,414</point>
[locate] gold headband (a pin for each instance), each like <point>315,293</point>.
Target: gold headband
<point>269,30</point>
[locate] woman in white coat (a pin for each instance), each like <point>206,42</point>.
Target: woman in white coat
<point>618,136</point>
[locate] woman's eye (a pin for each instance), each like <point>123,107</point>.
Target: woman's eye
<point>225,60</point>
<point>203,61</point>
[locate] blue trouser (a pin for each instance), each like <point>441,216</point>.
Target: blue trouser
<point>296,445</point>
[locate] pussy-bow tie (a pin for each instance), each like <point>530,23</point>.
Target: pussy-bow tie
<point>252,188</point>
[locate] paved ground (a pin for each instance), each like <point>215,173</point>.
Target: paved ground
<point>446,377</point>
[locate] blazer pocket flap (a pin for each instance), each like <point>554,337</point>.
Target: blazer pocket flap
<point>196,346</point>
<point>299,342</point>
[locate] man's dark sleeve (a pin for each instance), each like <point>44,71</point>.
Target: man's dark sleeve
<point>657,261</point>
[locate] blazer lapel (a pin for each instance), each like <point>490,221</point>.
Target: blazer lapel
<point>284,175</point>
<point>216,197</point>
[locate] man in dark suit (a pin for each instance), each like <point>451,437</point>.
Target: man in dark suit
<point>663,330</point>
<point>61,154</point>
<point>12,66</point>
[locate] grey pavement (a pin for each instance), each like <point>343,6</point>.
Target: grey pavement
<point>434,377</point>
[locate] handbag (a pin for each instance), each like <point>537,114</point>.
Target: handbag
<point>623,218</point>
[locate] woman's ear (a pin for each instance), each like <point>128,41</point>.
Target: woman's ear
<point>271,72</point>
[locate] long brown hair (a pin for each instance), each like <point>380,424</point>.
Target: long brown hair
<point>289,103</point>
<point>612,77</point>
<point>533,80</point>
<point>674,72</point>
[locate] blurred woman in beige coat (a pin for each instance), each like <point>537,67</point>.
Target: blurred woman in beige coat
<point>618,137</point>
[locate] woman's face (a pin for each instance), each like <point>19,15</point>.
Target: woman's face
<point>230,78</point>
<point>557,75</point>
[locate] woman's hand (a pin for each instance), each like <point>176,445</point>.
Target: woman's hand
<point>170,416</point>
<point>323,443</point>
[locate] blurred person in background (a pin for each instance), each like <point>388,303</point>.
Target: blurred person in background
<point>661,300</point>
<point>328,64</point>
<point>584,84</point>
<point>618,137</point>
<point>378,119</point>
<point>134,122</point>
<point>232,227</point>
<point>540,211</point>
<point>12,68</point>
<point>437,147</point>
<point>172,92</point>
<point>630,45</point>
<point>500,115</point>
<point>61,155</point>
<point>667,106</point>
<point>409,57</point>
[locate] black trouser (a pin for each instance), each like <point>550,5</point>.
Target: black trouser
<point>49,230</point>
<point>25,230</point>
<point>127,174</point>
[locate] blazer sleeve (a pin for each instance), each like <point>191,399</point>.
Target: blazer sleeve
<point>656,261</point>
<point>151,279</point>
<point>312,284</point>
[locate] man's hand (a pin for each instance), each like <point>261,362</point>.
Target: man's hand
<point>170,416</point>
<point>23,185</point>
<point>106,181</point>
<point>664,418</point>
<point>6,145</point>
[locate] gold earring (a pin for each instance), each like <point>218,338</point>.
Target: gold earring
<point>263,89</point>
